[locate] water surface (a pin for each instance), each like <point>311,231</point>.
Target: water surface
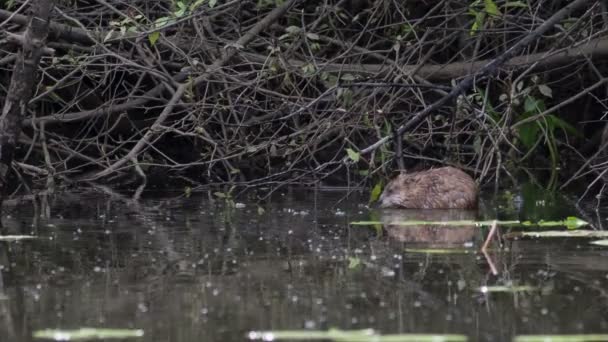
<point>194,269</point>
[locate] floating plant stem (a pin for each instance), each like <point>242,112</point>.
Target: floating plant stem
<point>560,233</point>
<point>17,237</point>
<point>350,336</point>
<point>84,334</point>
<point>570,222</point>
<point>561,338</point>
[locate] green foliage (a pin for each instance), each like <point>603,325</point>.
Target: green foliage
<point>153,37</point>
<point>345,96</point>
<point>570,222</point>
<point>226,196</point>
<point>376,192</point>
<point>125,25</point>
<point>353,155</point>
<point>491,8</point>
<point>486,11</point>
<point>353,263</point>
<point>515,4</point>
<point>181,8</point>
<point>83,334</point>
<point>480,13</point>
<point>8,4</point>
<point>540,128</point>
<point>262,4</point>
<point>349,335</point>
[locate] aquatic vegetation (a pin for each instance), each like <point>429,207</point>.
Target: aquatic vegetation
<point>561,338</point>
<point>570,222</point>
<point>351,335</point>
<point>17,237</point>
<point>84,334</point>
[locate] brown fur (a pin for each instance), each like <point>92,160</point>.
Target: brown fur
<point>440,188</point>
<point>430,236</point>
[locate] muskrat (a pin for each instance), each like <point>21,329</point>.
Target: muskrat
<point>440,188</point>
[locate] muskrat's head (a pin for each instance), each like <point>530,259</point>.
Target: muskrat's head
<point>397,192</point>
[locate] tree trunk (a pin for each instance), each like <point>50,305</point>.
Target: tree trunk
<point>23,83</point>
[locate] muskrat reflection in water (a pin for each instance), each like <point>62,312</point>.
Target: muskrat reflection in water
<point>440,188</point>
<point>428,235</point>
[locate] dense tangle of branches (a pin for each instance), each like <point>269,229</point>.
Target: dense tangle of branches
<point>265,91</point>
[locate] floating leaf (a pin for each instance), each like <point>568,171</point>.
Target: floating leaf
<point>561,338</point>
<point>600,242</point>
<point>439,250</point>
<point>349,335</point>
<point>505,288</point>
<point>353,262</point>
<point>16,237</point>
<point>457,223</point>
<point>87,334</point>
<point>574,222</point>
<point>570,222</point>
<point>560,234</point>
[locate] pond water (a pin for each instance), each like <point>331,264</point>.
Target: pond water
<point>194,269</point>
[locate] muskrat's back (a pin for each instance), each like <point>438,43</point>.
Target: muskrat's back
<point>440,188</point>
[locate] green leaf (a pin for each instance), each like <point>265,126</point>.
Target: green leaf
<point>312,36</point>
<point>545,90</point>
<point>212,3</point>
<point>354,156</point>
<point>477,144</point>
<point>528,133</point>
<point>292,29</point>
<point>153,37</point>
<point>87,334</point>
<point>491,8</point>
<point>196,4</point>
<point>478,23</point>
<point>531,105</point>
<point>555,122</point>
<point>162,21</point>
<point>376,192</point>
<point>220,194</point>
<point>347,77</point>
<point>519,4</point>
<point>353,262</point>
<point>573,222</point>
